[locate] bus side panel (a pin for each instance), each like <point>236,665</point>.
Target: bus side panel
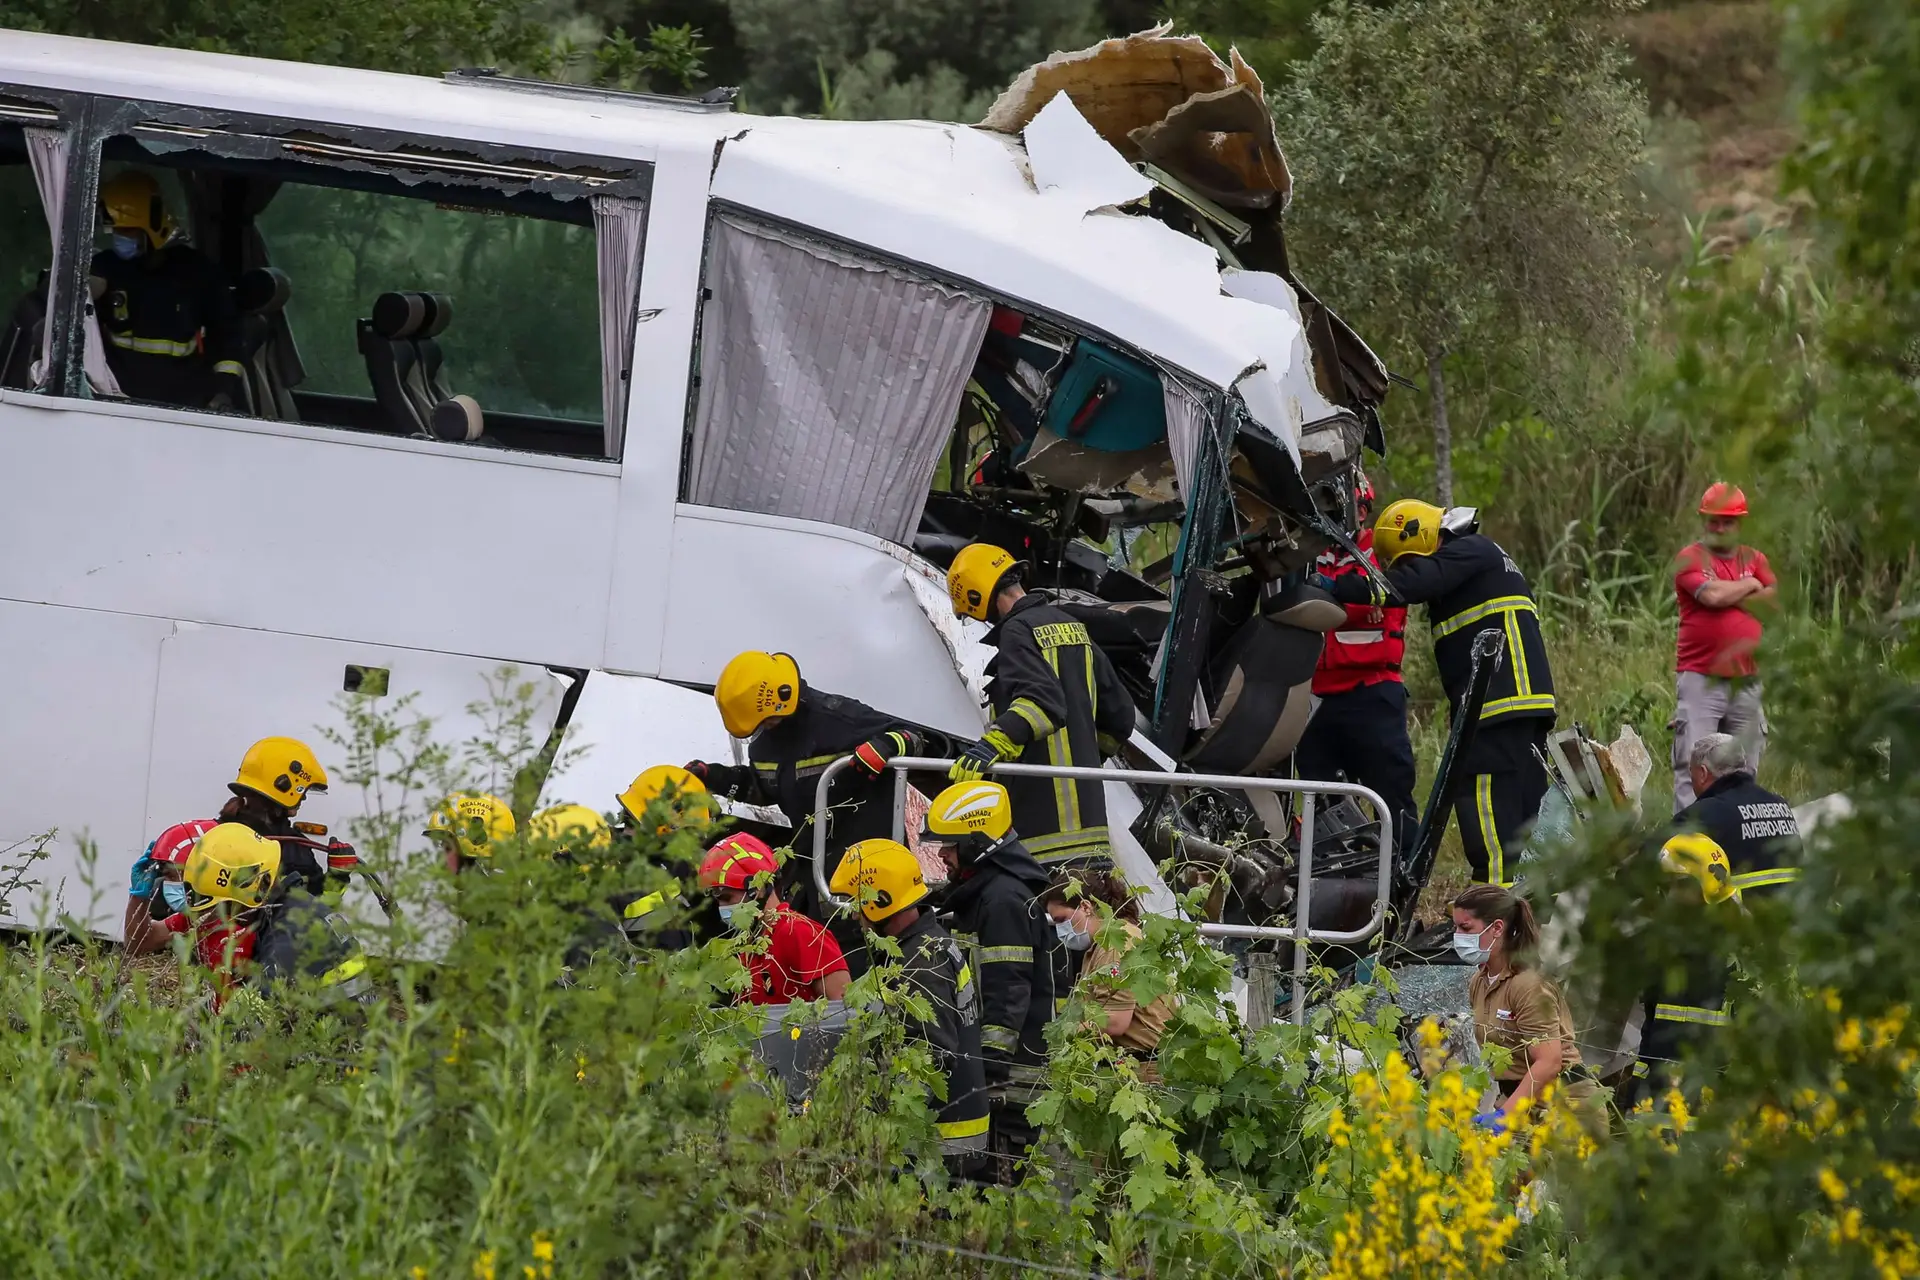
<point>467,549</point>
<point>77,687</point>
<point>840,602</point>
<point>221,688</point>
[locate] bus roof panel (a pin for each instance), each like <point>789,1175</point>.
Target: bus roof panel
<point>354,98</point>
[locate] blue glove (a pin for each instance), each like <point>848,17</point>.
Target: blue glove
<point>1320,582</point>
<point>1491,1121</point>
<point>140,883</point>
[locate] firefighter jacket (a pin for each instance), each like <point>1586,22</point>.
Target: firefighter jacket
<point>936,967</point>
<point>997,915</point>
<point>792,752</point>
<point>1693,995</point>
<point>171,328</point>
<point>300,936</point>
<point>1054,693</point>
<point>1371,646</point>
<point>1756,828</point>
<point>1470,585</point>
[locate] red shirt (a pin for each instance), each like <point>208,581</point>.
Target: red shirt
<point>1370,647</point>
<point>799,952</point>
<point>1717,642</point>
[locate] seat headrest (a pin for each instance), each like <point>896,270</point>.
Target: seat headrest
<point>457,420</point>
<point>263,291</point>
<point>439,315</point>
<point>399,315</point>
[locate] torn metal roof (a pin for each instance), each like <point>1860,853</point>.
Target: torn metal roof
<point>965,202</point>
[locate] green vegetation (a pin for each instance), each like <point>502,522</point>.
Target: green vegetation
<point>482,1120</point>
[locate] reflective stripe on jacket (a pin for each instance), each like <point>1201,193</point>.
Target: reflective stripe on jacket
<point>997,914</point>
<point>1053,692</point>
<point>1470,585</point>
<point>934,965</point>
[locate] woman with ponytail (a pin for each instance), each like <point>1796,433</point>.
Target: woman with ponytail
<point>1516,1006</point>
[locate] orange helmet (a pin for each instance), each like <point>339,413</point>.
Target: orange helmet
<point>735,861</point>
<point>1723,499</point>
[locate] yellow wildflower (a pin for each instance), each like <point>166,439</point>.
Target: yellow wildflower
<point>1832,1185</point>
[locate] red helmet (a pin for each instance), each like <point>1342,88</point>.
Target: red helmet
<point>177,841</point>
<point>735,861</point>
<point>1723,499</point>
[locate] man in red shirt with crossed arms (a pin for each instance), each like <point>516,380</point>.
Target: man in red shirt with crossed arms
<point>794,958</point>
<point>1717,685</point>
<point>1359,724</point>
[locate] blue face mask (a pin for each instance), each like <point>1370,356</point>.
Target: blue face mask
<point>736,915</point>
<point>175,892</point>
<point>128,247</point>
<point>1469,948</point>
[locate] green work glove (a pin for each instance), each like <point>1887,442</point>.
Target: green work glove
<point>993,747</point>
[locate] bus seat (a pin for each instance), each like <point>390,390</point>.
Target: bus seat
<point>20,341</point>
<point>393,362</point>
<point>260,296</point>
<point>458,419</point>
<point>439,316</point>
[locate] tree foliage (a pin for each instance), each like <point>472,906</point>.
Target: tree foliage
<point>1462,174</point>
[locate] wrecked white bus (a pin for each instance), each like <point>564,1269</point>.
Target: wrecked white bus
<point>614,386</point>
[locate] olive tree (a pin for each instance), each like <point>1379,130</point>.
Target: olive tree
<point>1462,176</point>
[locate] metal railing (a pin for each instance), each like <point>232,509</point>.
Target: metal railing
<point>1299,933</point>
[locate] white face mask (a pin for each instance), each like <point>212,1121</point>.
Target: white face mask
<point>1070,936</point>
<point>1467,947</point>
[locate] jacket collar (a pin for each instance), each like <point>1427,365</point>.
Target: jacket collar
<point>1732,782</point>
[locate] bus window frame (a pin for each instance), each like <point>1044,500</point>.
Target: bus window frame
<point>242,136</point>
<point>70,114</point>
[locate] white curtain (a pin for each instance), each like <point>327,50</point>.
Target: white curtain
<point>828,384</point>
<point>619,228</point>
<point>1186,423</point>
<point>47,151</point>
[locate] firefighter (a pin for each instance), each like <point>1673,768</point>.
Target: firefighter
<point>157,901</point>
<point>884,878</point>
<point>275,777</point>
<point>1359,725</point>
<point>256,925</point>
<point>994,900</point>
<point>571,833</point>
<point>1055,701</point>
<point>1753,825</point>
<point>167,312</point>
<point>660,919</point>
<point>792,957</point>
<point>1469,585</point>
<point>1687,1008</point>
<point>469,828</point>
<point>796,731</point>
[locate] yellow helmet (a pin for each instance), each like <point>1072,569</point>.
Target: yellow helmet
<point>757,687</point>
<point>131,201</point>
<point>1408,527</point>
<point>1700,858</point>
<point>688,801</point>
<point>475,823</point>
<point>973,576</point>
<point>967,809</point>
<point>231,863</point>
<point>570,829</point>
<point>882,876</point>
<point>281,769</point>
